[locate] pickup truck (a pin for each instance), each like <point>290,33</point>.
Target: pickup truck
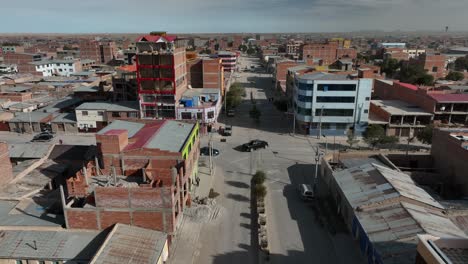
<point>228,131</point>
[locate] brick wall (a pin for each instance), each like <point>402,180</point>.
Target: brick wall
<point>378,111</point>
<point>195,73</point>
<point>16,97</point>
<point>112,143</point>
<point>82,219</point>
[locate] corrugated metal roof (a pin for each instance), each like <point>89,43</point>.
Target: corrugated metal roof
<point>323,76</point>
<point>131,127</point>
<point>30,116</point>
<point>88,89</point>
<point>171,136</point>
<point>65,118</point>
<point>49,245</point>
<point>124,106</point>
<point>131,244</point>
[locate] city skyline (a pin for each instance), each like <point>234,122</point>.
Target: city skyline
<point>119,16</point>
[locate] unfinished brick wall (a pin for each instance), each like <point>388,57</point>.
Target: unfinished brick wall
<point>147,207</point>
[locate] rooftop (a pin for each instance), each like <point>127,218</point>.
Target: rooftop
<point>396,107</point>
<point>120,246</point>
<point>407,85</point>
<point>27,151</point>
<point>200,91</point>
<point>49,245</point>
<point>155,38</point>
<point>449,98</point>
<point>318,76</point>
<point>30,116</point>
<point>87,89</point>
<point>127,106</point>
<point>166,135</point>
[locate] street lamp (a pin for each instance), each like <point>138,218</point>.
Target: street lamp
<point>326,143</point>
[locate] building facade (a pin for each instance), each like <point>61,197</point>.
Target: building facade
<point>331,104</point>
<point>58,67</point>
<point>161,75</point>
<point>93,116</point>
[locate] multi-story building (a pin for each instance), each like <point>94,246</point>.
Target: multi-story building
<point>228,60</point>
<point>124,84</point>
<point>143,177</point>
<point>93,116</point>
<point>331,104</point>
<point>22,61</point>
<point>161,75</point>
<point>100,51</point>
<point>58,67</point>
<point>326,52</point>
<point>293,48</point>
<point>447,106</point>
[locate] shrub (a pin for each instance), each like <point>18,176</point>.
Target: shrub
<point>259,177</point>
<point>260,191</point>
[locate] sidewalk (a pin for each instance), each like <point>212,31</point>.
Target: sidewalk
<point>206,180</point>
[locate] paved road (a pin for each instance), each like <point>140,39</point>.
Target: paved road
<point>299,233</point>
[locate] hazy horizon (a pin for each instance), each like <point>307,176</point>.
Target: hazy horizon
<point>235,16</point>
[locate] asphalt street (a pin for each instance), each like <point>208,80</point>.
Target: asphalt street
<point>298,232</point>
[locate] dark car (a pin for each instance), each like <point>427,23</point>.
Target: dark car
<point>254,144</point>
<point>205,151</point>
<point>43,137</point>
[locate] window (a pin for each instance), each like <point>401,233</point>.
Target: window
<point>60,70</point>
<point>133,114</point>
<point>341,125</point>
<point>211,114</point>
<point>367,98</point>
<point>115,114</point>
<point>334,112</point>
<point>335,99</point>
<point>434,69</point>
<point>336,87</point>
<point>366,111</point>
<point>303,98</point>
<point>304,111</point>
<point>186,115</point>
<point>199,116</point>
<point>85,113</point>
<point>100,113</point>
<point>305,86</point>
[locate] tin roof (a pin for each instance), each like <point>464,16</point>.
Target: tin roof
<point>449,98</point>
<point>131,244</point>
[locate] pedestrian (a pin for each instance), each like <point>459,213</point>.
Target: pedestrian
<point>198,181</point>
<point>60,141</point>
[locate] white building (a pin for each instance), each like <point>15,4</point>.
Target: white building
<point>331,104</point>
<point>93,116</point>
<point>58,67</point>
<point>202,104</point>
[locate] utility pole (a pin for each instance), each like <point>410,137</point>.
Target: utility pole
<point>320,123</point>
<point>317,159</point>
<point>210,154</point>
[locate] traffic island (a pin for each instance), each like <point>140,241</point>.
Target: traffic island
<point>259,209</point>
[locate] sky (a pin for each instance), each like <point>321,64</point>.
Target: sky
<point>225,16</point>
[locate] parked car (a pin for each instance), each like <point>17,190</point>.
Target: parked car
<point>227,131</point>
<point>254,145</point>
<point>306,192</point>
<point>205,151</point>
<point>43,137</point>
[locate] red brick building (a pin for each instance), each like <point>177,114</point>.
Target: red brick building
<point>101,52</point>
<point>23,60</point>
<point>327,53</point>
<point>281,72</point>
<point>161,74</point>
<point>144,177</point>
<point>213,74</point>
<point>434,64</point>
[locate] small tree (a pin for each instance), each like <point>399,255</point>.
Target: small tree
<point>351,138</point>
<point>373,135</point>
<point>243,48</point>
<point>260,191</point>
<point>259,177</point>
<point>455,76</point>
<point>251,51</point>
<point>425,134</point>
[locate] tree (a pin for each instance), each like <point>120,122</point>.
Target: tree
<point>415,74</point>
<point>425,134</point>
<point>243,48</point>
<point>351,138</point>
<point>234,95</point>
<point>461,63</point>
<point>390,66</point>
<point>455,76</point>
<point>259,177</point>
<point>375,135</point>
<point>260,191</point>
<point>251,51</point>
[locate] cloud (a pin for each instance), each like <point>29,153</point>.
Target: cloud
<point>232,16</point>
